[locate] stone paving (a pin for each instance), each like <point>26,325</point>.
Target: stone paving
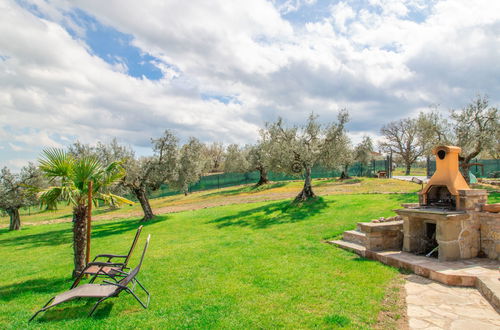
<point>433,305</point>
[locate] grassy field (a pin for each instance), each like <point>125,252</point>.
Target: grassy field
<point>256,261</point>
<point>258,265</point>
<point>234,195</point>
<point>418,171</point>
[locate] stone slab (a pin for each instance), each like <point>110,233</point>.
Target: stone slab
<point>354,236</point>
<point>372,227</point>
<point>432,305</point>
<point>481,273</point>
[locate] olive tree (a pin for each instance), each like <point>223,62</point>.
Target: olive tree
<point>190,165</point>
<point>236,159</point>
<point>17,191</point>
<point>146,174</point>
<point>295,150</point>
<point>215,156</point>
<point>475,128</point>
<point>257,156</point>
<point>363,150</point>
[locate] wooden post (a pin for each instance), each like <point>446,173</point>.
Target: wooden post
<point>89,220</point>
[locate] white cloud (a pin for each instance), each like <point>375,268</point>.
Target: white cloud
<point>376,60</point>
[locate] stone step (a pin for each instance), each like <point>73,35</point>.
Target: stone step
<point>372,227</point>
<point>355,236</point>
<point>489,287</point>
<point>350,246</point>
<point>480,273</point>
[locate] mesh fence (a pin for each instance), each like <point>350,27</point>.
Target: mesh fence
<point>483,168</point>
<point>217,181</point>
<point>489,168</point>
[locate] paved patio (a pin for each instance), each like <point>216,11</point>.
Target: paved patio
<point>432,305</point>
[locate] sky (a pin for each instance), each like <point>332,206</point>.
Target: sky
<point>92,70</point>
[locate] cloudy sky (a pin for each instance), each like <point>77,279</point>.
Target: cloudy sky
<point>91,70</point>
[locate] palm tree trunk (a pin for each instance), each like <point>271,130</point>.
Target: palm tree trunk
<point>79,237</point>
<point>15,219</point>
<point>140,193</point>
<point>263,176</point>
<point>307,191</point>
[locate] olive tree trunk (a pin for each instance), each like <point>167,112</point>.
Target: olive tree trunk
<point>307,191</point>
<point>263,176</point>
<point>140,193</point>
<point>15,219</point>
<point>79,238</point>
<point>408,168</point>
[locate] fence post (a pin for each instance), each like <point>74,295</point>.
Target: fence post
<point>218,181</point>
<point>428,164</point>
<point>390,165</point>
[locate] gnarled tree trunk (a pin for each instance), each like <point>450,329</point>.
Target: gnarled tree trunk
<point>263,176</point>
<point>345,173</point>
<point>15,219</point>
<point>408,169</point>
<point>79,237</point>
<point>140,193</point>
<point>307,191</point>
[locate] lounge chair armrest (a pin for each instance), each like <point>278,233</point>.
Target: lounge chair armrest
<point>105,264</point>
<point>109,256</point>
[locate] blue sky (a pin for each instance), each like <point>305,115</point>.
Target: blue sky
<point>93,70</point>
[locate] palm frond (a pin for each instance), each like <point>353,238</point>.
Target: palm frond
<point>50,197</point>
<point>56,163</point>
<point>84,170</point>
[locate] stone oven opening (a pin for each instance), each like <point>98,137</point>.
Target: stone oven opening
<point>430,240</point>
<point>440,196</point>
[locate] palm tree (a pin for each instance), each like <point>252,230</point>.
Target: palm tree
<point>70,179</point>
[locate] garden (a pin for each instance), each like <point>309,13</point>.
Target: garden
<point>243,265</point>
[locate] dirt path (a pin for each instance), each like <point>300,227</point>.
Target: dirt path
<point>195,205</point>
<point>206,202</point>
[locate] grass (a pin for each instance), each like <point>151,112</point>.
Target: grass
<point>418,171</point>
<point>258,265</point>
<point>275,190</point>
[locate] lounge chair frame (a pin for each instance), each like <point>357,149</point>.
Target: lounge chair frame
<point>119,286</point>
<point>118,267</point>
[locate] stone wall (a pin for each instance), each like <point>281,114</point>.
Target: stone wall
<point>490,234</point>
<point>382,236</point>
<point>471,200</point>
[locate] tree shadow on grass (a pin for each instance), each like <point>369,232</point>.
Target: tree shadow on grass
<point>42,285</point>
<point>65,236</point>
<point>403,197</point>
<point>76,310</point>
<point>273,214</point>
<point>245,189</point>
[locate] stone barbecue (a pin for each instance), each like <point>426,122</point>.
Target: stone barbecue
<point>449,223</point>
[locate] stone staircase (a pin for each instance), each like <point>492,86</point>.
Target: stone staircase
<point>372,236</point>
<point>383,242</point>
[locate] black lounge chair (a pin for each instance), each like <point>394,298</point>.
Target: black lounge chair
<point>108,268</point>
<point>102,291</point>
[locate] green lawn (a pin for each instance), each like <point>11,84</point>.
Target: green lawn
<point>321,187</point>
<point>418,171</point>
<point>258,265</point>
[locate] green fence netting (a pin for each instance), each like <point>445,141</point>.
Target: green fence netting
<point>485,168</point>
<point>217,181</point>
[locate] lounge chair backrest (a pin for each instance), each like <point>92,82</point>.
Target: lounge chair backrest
<point>136,270</point>
<point>134,243</point>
